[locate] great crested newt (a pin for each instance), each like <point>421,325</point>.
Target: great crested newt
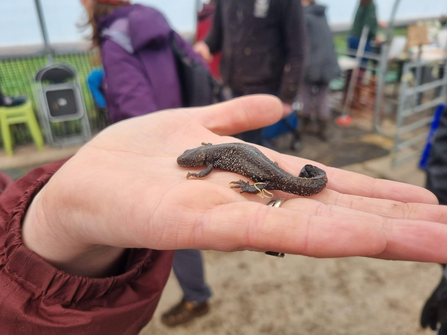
<point>250,162</point>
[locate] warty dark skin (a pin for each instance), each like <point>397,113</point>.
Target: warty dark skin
<point>250,162</point>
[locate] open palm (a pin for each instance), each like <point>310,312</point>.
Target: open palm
<point>124,189</point>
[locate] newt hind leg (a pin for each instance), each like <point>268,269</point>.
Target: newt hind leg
<point>257,188</point>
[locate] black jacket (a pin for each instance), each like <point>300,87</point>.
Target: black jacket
<point>437,163</point>
<point>321,60</point>
<point>262,44</point>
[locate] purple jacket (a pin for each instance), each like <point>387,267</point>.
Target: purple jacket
<point>140,70</point>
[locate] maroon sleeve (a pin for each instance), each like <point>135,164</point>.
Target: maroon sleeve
<point>37,298</point>
<point>5,182</point>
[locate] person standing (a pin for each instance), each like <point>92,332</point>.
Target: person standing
<point>141,77</point>
<point>321,67</point>
<point>262,44</point>
<point>365,16</point>
<point>434,312</point>
<point>204,24</point>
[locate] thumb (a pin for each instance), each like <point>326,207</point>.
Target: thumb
<point>240,114</point>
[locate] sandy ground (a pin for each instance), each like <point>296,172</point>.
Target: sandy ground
<point>258,294</point>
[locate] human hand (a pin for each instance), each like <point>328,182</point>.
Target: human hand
<point>382,24</point>
<point>124,189</point>
<point>203,50</point>
<point>286,109</point>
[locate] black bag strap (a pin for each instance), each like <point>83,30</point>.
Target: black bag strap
<point>182,56</point>
<point>178,52</point>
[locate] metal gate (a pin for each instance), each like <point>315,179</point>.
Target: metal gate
<point>423,87</point>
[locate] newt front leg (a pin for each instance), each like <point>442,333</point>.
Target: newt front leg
<point>202,173</point>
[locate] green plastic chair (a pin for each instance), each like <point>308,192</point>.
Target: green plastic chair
<point>19,114</point>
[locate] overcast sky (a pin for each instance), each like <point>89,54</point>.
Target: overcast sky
<point>19,24</point>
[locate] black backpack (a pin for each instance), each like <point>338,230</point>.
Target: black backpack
<point>198,87</point>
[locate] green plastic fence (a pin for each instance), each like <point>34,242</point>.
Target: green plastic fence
<point>17,78</point>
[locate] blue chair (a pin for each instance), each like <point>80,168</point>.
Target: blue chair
<point>431,134</point>
<point>94,83</point>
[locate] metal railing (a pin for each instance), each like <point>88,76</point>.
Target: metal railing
<point>417,101</point>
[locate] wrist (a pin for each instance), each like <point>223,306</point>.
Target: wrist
<point>59,245</point>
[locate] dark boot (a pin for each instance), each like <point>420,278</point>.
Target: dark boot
<point>184,312</point>
<point>322,130</point>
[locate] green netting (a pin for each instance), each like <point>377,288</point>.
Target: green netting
<point>17,78</point>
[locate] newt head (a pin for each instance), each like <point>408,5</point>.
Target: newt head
<point>192,158</point>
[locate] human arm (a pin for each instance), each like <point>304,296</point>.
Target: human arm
<point>39,298</point>
<point>293,30</point>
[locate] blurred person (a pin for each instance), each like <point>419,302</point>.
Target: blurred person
<point>434,312</point>
<point>204,24</point>
<point>262,44</point>
<point>365,16</point>
<point>443,22</point>
<point>321,67</point>
<point>85,242</point>
<point>141,77</point>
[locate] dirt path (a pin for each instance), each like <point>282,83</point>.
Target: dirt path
<point>258,294</point>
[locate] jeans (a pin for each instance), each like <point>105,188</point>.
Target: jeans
<point>188,268</point>
<point>354,43</point>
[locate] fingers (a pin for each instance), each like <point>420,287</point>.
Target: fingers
<point>406,239</point>
<point>253,226</point>
<point>354,183</point>
<point>357,184</point>
<point>314,229</point>
<point>203,50</point>
<point>384,207</point>
<point>418,241</point>
<point>241,114</point>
